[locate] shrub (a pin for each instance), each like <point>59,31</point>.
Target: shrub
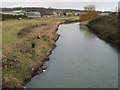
<point>33,45</point>
<point>43,24</point>
<point>90,15</point>
<point>9,16</point>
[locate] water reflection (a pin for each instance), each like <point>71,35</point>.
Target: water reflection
<point>86,31</point>
<point>83,27</point>
<point>89,34</point>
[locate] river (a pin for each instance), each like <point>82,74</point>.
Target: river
<point>80,60</point>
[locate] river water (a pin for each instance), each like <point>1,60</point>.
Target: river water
<point>80,60</point>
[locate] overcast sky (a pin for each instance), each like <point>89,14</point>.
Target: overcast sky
<point>64,4</point>
<point>59,0</point>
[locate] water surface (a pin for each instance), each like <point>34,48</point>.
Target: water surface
<point>80,60</point>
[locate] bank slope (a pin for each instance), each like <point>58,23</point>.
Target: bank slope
<point>26,46</point>
<point>106,27</point>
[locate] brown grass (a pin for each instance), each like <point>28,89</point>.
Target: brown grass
<point>19,56</point>
<point>106,28</point>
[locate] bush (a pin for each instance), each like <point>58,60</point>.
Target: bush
<point>90,15</point>
<point>9,16</point>
<point>43,24</point>
<point>33,45</point>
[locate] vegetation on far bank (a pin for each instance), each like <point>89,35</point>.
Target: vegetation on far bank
<point>9,16</point>
<point>90,15</point>
<point>26,45</point>
<point>106,27</point>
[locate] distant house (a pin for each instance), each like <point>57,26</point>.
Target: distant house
<point>72,13</point>
<point>104,13</point>
<point>56,14</point>
<point>33,14</point>
<point>20,12</point>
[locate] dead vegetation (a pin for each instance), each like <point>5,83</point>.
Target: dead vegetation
<point>106,27</point>
<point>26,46</point>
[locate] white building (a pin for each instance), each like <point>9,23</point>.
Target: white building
<point>33,14</point>
<point>104,14</point>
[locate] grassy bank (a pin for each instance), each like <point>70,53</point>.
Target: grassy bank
<point>26,46</point>
<point>106,27</point>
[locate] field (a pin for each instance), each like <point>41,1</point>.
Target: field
<point>26,44</point>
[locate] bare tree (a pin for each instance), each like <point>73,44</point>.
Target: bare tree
<point>90,8</point>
